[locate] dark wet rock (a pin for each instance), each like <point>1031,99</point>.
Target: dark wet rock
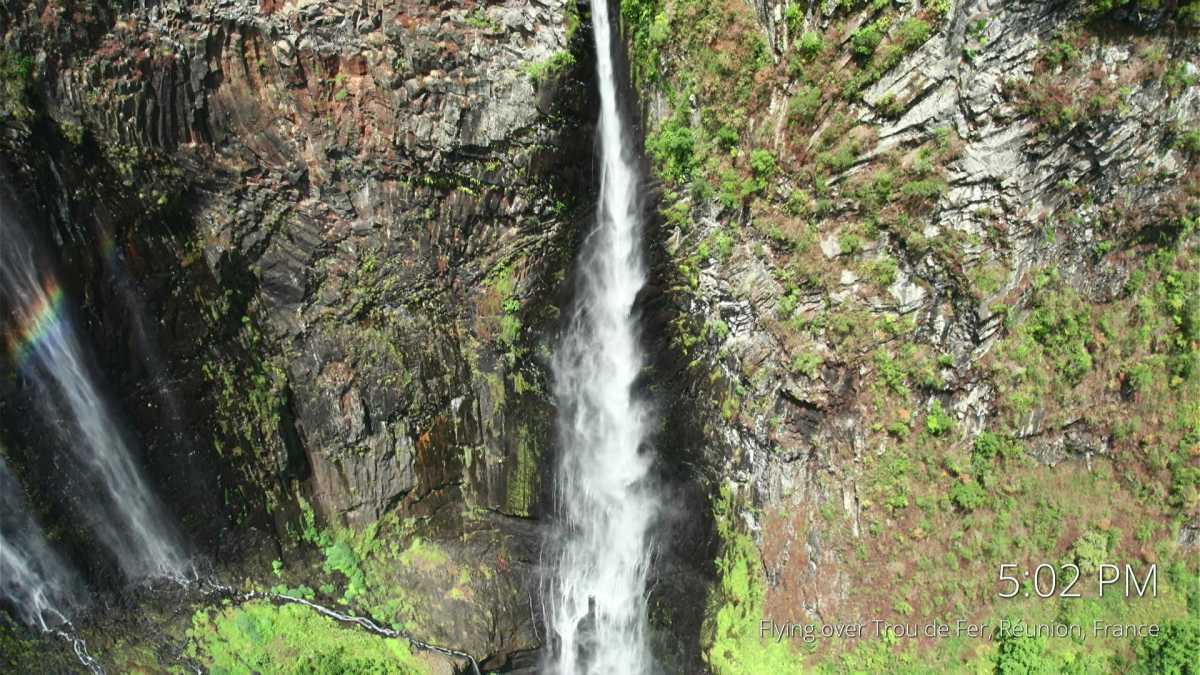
<point>353,221</point>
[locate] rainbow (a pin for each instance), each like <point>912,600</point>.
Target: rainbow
<point>108,245</point>
<point>34,325</point>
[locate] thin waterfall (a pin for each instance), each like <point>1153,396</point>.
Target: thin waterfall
<point>113,498</point>
<point>119,279</point>
<point>605,502</point>
<point>35,583</point>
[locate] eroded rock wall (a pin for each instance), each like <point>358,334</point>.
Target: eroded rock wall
<point>890,229</point>
<point>351,223</point>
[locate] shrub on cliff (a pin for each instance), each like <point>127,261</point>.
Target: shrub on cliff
<point>1185,11</point>
<point>1174,651</point>
<point>672,147</point>
<point>1020,654</point>
<point>15,73</point>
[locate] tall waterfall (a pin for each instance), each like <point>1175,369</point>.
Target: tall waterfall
<point>605,504</point>
<point>113,498</point>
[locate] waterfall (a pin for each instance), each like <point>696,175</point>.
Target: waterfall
<point>119,279</point>
<point>34,581</point>
<point>112,496</point>
<point>605,504</point>
<point>35,584</point>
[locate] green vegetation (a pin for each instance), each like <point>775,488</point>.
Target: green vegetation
<point>1005,506</point>
<point>1186,11</point>
<point>479,19</point>
<point>16,73</point>
<point>1064,93</point>
<point>383,569</point>
<point>810,44</point>
<point>250,389</point>
<point>1189,142</point>
<point>523,479</point>
<point>23,651</point>
<point>762,167</point>
<point>339,551</point>
<point>649,35</point>
<point>1177,77</point>
<point>559,63</point>
<point>865,40</point>
<point>340,92</point>
<point>807,364</point>
<point>938,421</point>
<point>290,639</point>
<point>1092,549</point>
<point>1062,327</point>
<point>1175,651</point>
<point>74,133</point>
<point>968,496</point>
<point>1048,354</point>
<point>1020,654</point>
<point>1011,510</point>
<point>498,317</point>
<point>803,107</point>
<point>935,503</point>
<point>734,646</point>
<point>671,147</point>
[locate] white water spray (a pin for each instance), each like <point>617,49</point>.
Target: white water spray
<point>40,588</point>
<point>115,501</point>
<point>36,584</point>
<point>597,594</point>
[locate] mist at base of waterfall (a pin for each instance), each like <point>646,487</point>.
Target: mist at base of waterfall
<point>41,590</point>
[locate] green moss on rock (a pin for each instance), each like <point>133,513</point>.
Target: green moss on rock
<point>522,482</point>
<point>263,638</point>
<point>733,642</point>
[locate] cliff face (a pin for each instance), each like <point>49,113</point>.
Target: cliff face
<point>347,225</point>
<point>923,299</point>
<point>934,274</point>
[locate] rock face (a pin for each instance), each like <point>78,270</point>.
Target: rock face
<point>895,239</point>
<point>350,222</point>
<point>924,289</point>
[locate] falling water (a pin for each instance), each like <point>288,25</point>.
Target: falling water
<point>120,280</point>
<point>34,581</point>
<point>35,584</point>
<point>597,593</point>
<point>115,501</point>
